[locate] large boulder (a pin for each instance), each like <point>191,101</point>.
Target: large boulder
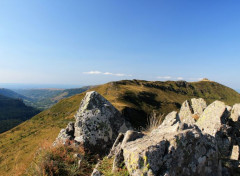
<point>173,152</point>
<point>213,117</point>
<point>98,123</point>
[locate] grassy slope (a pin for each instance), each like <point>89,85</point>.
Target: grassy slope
<point>17,146</point>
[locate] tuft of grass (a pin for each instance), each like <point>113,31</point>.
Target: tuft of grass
<point>153,122</point>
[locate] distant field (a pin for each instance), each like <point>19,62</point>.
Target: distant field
<point>44,98</point>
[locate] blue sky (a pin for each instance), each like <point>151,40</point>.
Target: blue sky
<point>79,42</point>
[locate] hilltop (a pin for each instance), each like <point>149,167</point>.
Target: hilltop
<point>136,99</point>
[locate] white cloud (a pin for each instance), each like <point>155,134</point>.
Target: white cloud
<point>92,73</point>
<point>164,77</point>
<point>179,78</point>
<point>106,73</point>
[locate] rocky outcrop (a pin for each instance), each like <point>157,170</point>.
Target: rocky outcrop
<point>182,145</point>
<point>173,152</point>
<point>97,124</point>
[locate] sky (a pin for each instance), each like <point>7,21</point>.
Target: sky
<point>76,42</point>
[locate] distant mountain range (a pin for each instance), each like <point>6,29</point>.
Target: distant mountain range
<point>37,86</point>
<point>45,98</point>
<point>11,94</point>
<point>13,112</point>
<point>21,104</point>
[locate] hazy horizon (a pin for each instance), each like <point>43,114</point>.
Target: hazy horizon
<point>15,86</point>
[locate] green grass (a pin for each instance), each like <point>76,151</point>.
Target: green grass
<point>105,167</point>
<point>136,99</point>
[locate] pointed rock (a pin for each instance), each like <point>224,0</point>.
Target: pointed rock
<point>98,123</point>
<point>186,110</point>
<point>235,114</point>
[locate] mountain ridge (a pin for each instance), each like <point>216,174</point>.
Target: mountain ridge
<point>131,97</point>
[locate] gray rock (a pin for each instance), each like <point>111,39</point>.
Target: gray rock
<point>191,110</point>
<point>188,120</point>
<point>214,121</point>
<point>131,136</point>
<point>198,105</point>
<point>173,152</point>
<point>120,142</point>
<point>235,153</point>
<point>186,110</point>
<point>98,123</point>
<point>116,146</point>
<point>213,117</point>
<point>96,173</point>
<point>171,119</point>
<point>235,113</point>
<point>118,161</point>
<point>65,135</point>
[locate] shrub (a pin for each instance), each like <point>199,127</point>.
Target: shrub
<point>60,161</point>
